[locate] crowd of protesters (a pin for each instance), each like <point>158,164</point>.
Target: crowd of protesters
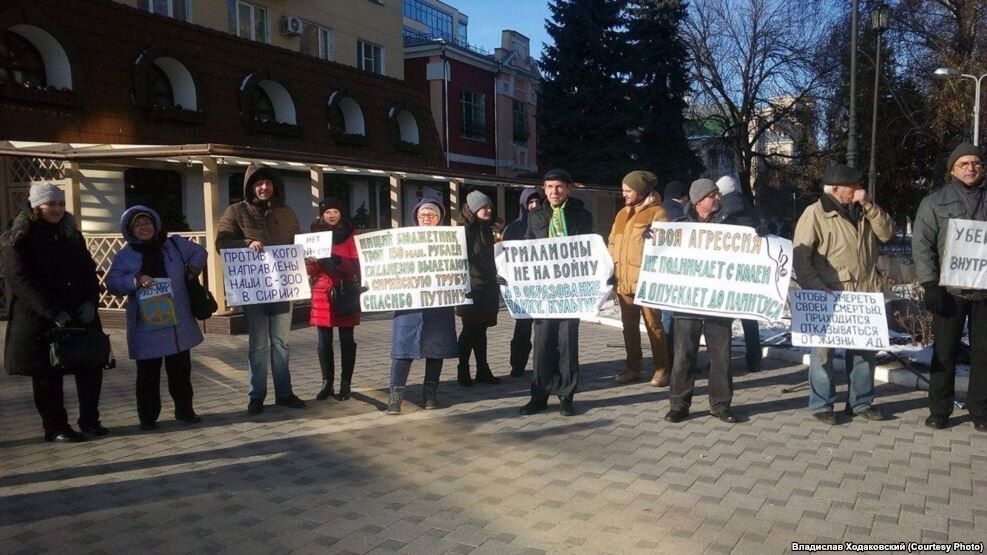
<point>53,284</point>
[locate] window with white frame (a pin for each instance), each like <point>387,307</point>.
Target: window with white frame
<point>179,9</point>
<point>317,41</point>
<point>249,21</point>
<point>369,57</point>
<point>474,115</point>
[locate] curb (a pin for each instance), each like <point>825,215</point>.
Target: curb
<point>892,372</point>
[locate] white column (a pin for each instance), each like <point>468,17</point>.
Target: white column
<point>73,203</point>
<point>396,185</point>
<point>212,209</point>
<point>318,179</point>
<point>455,188</point>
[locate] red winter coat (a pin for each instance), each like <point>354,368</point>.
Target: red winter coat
<point>345,257</point>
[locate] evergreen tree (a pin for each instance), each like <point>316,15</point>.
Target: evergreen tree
<point>657,72</point>
<point>582,121</point>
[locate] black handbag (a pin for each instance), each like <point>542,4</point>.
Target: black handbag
<point>344,299</point>
<point>73,349</point>
<point>200,299</point>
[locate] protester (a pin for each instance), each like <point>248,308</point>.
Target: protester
<point>498,230</point>
<point>835,249</point>
<point>342,268</point>
<point>676,201</point>
<point>262,220</point>
<point>953,309</point>
<point>52,282</point>
<point>642,205</point>
<point>705,199</point>
<point>521,340</point>
<point>428,333</point>
<point>735,207</point>
<point>159,334</point>
<point>556,340</point>
<point>482,314</point>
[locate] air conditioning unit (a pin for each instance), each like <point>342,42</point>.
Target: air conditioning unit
<point>291,26</point>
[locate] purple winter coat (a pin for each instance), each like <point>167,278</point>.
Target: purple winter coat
<point>145,343</point>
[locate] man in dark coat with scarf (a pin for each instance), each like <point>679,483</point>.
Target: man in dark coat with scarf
<point>556,340</point>
<point>521,341</point>
<point>952,308</point>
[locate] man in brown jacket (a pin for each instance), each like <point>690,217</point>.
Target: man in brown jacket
<point>835,249</point>
<point>642,205</point>
<point>261,220</point>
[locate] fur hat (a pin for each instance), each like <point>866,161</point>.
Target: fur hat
<point>477,200</point>
<point>45,193</point>
<point>700,189</point>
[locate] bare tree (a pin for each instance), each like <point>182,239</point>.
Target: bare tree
<point>754,67</point>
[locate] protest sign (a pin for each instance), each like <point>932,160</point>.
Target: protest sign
<point>561,277</point>
<point>274,274</point>
<point>156,305</point>
<point>964,263</point>
<point>316,245</point>
<point>413,267</point>
<point>715,270</point>
<point>841,319</point>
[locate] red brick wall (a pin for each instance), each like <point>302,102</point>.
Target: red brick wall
<point>474,79</point>
<point>103,40</point>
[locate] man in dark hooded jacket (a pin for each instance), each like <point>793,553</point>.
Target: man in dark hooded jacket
<point>261,220</point>
<point>521,342</point>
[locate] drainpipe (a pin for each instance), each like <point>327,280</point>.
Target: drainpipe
<point>496,122</point>
<point>445,100</point>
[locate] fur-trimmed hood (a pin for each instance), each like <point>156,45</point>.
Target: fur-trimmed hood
<point>22,223</point>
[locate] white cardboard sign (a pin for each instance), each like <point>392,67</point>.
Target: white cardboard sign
<point>964,262</point>
<point>841,319</point>
<point>316,245</point>
<point>274,274</point>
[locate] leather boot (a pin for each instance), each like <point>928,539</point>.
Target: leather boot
<point>328,366</point>
<point>429,391</point>
<point>348,359</point>
<point>484,375</point>
<point>463,375</point>
<point>394,404</point>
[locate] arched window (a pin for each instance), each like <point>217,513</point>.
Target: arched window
<point>159,92</point>
<point>346,121</point>
<point>261,107</point>
<point>406,126</point>
<point>266,104</point>
<point>25,65</point>
<point>164,87</point>
<point>36,57</point>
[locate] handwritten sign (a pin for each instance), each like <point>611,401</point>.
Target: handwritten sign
<point>715,270</point>
<point>316,245</point>
<point>964,263</point>
<point>841,319</point>
<point>561,277</point>
<point>156,305</point>
<point>413,267</point>
<point>275,274</point>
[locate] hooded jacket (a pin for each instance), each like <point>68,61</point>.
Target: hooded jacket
<point>48,269</point>
<point>424,332</point>
<point>178,252</point>
<point>626,242</point>
<point>516,229</point>
<point>271,222</point>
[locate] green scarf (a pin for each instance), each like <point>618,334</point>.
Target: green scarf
<point>556,226</point>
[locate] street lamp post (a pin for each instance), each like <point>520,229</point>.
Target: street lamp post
<point>851,141</point>
<point>946,72</point>
<point>879,24</point>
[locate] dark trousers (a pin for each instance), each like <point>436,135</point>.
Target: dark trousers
<point>718,334</point>
<point>556,358</point>
<point>752,341</point>
<point>942,375</point>
<point>179,369</point>
<point>473,339</point>
<point>49,398</point>
<point>401,367</point>
<point>521,344</point>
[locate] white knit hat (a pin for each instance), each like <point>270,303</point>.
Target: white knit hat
<point>726,185</point>
<point>45,193</point>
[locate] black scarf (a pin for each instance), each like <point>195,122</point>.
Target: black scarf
<point>152,256</point>
<point>340,232</point>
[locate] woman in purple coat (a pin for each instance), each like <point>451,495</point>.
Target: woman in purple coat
<point>151,272</point>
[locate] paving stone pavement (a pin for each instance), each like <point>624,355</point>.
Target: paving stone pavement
<point>476,477</point>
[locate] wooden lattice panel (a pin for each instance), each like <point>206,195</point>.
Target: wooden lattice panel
<point>26,170</point>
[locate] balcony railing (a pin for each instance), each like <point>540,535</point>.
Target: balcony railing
<point>418,39</point>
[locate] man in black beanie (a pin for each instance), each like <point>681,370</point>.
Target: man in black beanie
<point>961,198</point>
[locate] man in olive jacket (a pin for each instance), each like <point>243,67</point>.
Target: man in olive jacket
<point>835,249</point>
<point>642,205</point>
<point>952,308</point>
<point>556,340</point>
<point>261,220</point>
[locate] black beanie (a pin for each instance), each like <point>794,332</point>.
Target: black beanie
<point>328,203</point>
<point>963,149</point>
<point>676,190</point>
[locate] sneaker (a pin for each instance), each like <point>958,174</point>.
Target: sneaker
<point>725,415</point>
<point>96,429</point>
<point>291,401</point>
<point>255,407</point>
<point>827,417</point>
<point>67,436</point>
<point>872,413</point>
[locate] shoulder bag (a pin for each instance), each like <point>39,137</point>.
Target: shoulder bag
<point>203,304</point>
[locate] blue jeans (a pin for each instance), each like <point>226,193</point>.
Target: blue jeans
<point>268,325</point>
<point>822,390</point>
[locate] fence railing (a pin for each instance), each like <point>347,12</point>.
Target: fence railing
<point>104,247</point>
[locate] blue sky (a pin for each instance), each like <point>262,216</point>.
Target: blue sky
<point>489,17</point>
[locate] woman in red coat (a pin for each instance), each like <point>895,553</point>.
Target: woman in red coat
<point>342,268</point>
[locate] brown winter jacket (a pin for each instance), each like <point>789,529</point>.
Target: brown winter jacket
<point>271,223</point>
<point>626,243</point>
<point>829,252</point>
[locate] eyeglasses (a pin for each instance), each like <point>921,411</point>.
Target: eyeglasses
<point>427,216</point>
<point>969,165</point>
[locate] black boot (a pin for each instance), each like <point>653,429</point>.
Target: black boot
<point>348,360</point>
<point>463,375</point>
<point>484,375</point>
<point>328,366</point>
<point>429,391</point>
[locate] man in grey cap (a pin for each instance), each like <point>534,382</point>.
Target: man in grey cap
<point>835,249</point>
<point>705,199</point>
<point>952,309</point>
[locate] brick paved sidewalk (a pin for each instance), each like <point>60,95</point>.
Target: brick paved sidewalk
<point>476,477</point>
